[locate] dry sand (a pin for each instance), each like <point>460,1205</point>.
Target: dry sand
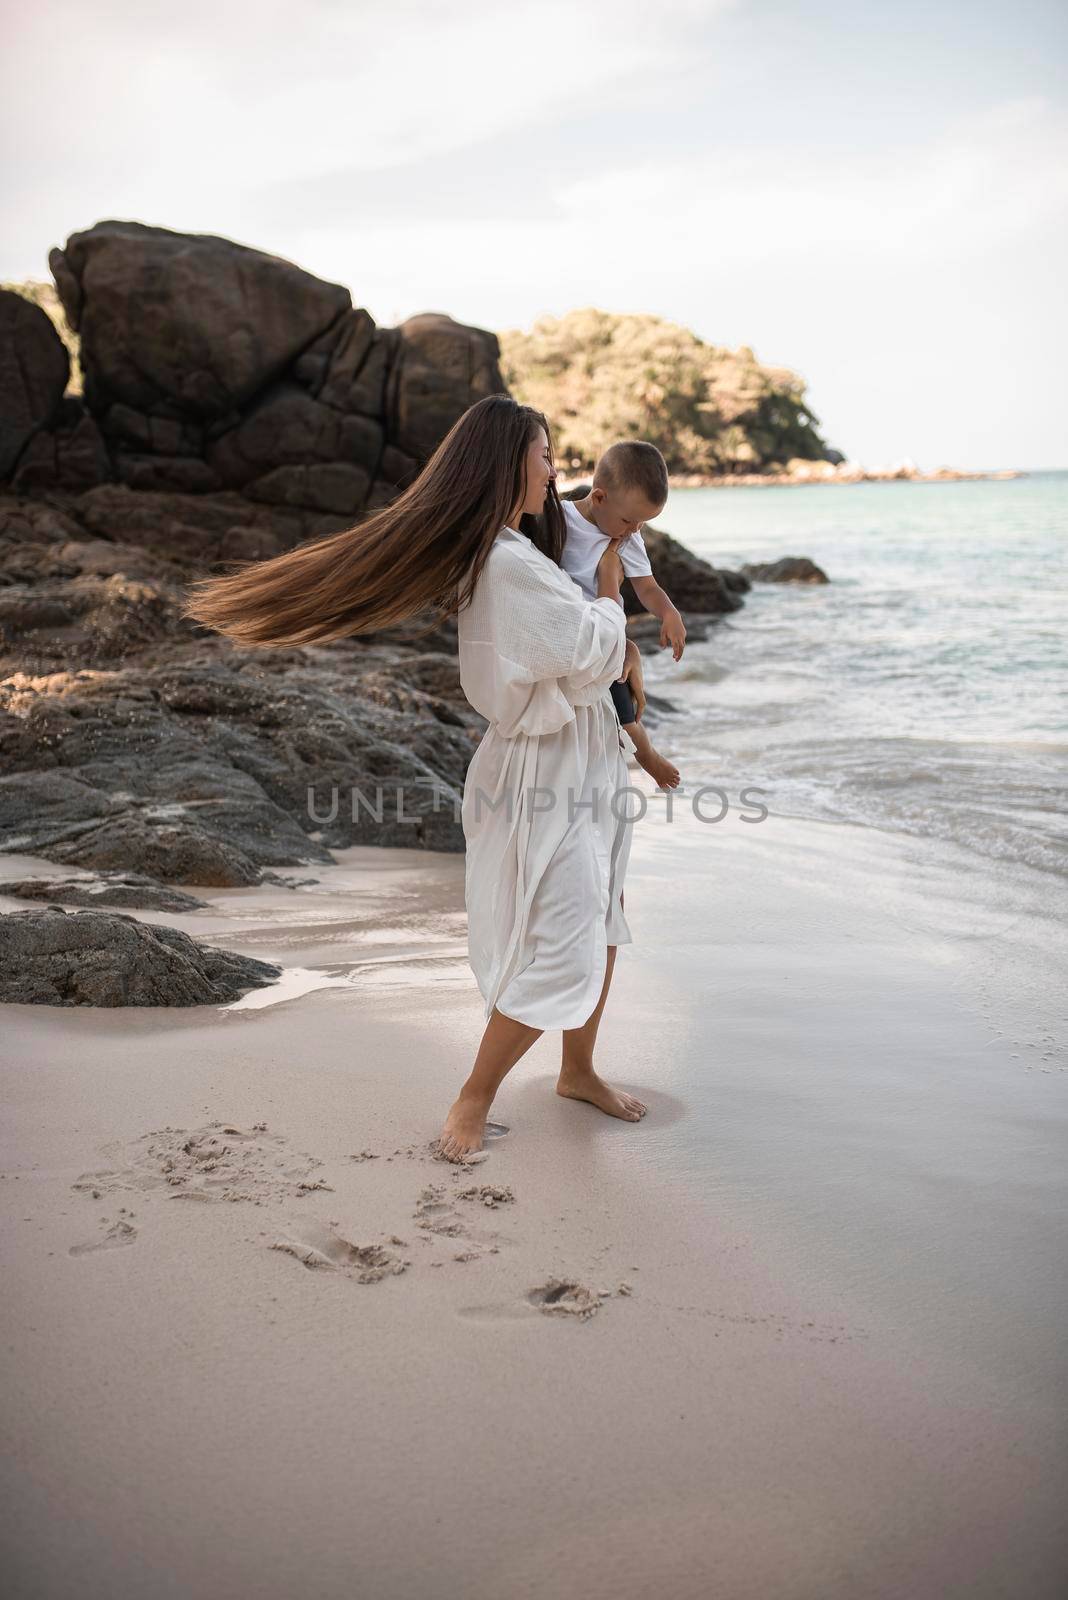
<point>797,1333</point>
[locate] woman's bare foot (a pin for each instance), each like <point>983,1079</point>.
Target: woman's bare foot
<point>464,1127</point>
<point>586,1085</point>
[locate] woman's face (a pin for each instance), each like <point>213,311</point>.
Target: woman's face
<point>539,472</point>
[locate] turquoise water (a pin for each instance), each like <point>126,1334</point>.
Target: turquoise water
<point>922,690</point>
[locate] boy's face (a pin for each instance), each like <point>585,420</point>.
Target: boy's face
<point>621,512</point>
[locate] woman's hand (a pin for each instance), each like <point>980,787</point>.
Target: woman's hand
<point>632,676</point>
<point>609,574</point>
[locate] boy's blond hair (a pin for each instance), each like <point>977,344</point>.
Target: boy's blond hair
<point>633,464</point>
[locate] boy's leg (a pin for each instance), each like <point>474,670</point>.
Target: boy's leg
<point>664,773</point>
<point>643,745</point>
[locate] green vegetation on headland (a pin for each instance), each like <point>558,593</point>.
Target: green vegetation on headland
<point>600,376</point>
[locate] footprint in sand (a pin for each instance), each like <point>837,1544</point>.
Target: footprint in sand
<point>120,1232</point>
<point>564,1297</point>
<point>434,1213</point>
<point>217,1162</point>
<point>559,1297</point>
<point>488,1194</point>
<point>324,1251</point>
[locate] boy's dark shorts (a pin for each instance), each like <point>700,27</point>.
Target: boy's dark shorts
<point>623,701</point>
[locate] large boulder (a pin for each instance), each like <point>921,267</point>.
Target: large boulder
<point>185,325</point>
<point>103,958</point>
<point>34,368</point>
<point>441,368</point>
<point>210,367</point>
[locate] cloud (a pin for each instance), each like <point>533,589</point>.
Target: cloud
<point>985,178</point>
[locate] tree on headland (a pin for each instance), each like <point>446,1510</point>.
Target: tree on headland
<point>600,376</point>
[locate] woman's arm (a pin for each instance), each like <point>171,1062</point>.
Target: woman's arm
<point>610,575</point>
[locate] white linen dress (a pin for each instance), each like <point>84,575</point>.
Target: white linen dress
<point>546,813</point>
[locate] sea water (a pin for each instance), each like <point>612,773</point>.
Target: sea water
<point>921,690</point>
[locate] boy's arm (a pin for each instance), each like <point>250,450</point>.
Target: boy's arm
<point>656,600</point>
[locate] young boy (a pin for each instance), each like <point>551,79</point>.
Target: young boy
<point>630,487</point>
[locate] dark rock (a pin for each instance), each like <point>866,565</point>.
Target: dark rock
<point>71,454</point>
<point>155,474</point>
<point>440,369</point>
<point>137,431</point>
<point>103,958</point>
<point>347,367</point>
<point>692,583</point>
<point>193,531</point>
<point>288,428</point>
<point>788,569</point>
<point>130,889</point>
<point>329,486</point>
<point>85,620</point>
<point>736,581</point>
<point>201,772</point>
<point>185,325</point>
<point>34,368</point>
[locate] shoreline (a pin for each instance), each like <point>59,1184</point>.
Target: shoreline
<point>818,1321</point>
<point>820,478</point>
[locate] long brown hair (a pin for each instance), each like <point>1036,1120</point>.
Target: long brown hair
<point>425,550</point>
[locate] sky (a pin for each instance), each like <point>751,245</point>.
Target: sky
<point>875,195</point>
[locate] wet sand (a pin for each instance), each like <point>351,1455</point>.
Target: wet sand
<point>799,1332</point>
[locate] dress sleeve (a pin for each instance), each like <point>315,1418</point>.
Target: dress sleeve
<point>530,641</point>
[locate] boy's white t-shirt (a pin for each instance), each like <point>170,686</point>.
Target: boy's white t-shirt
<point>585,545</point>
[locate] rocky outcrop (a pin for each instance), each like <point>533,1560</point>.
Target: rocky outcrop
<point>788,569</point>
<point>233,406</point>
<point>204,767</point>
<point>129,889</point>
<point>211,367</point>
<point>101,958</point>
<point>34,368</point>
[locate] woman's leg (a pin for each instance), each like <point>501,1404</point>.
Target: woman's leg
<point>504,1042</point>
<point>577,1079</point>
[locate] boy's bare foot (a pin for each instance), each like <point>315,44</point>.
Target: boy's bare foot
<point>586,1085</point>
<point>463,1130</point>
<point>659,768</point>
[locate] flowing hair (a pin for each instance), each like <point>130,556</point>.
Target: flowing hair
<point>425,550</point>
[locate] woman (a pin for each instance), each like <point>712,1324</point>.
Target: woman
<point>546,850</point>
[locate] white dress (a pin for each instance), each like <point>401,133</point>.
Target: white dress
<point>546,813</point>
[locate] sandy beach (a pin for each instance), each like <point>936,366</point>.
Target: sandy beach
<point>797,1333</point>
